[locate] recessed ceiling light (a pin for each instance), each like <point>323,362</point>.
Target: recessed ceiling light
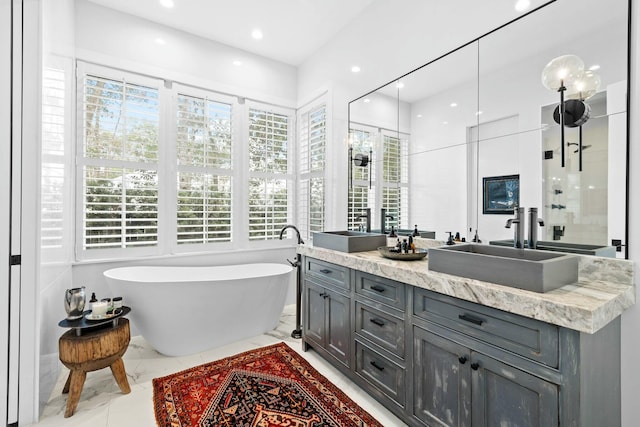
<point>400,85</point>
<point>256,34</point>
<point>167,3</point>
<point>445,123</point>
<point>355,69</point>
<point>237,63</point>
<point>522,5</point>
<point>454,104</point>
<point>594,67</point>
<point>478,113</point>
<point>419,116</point>
<point>160,41</point>
<point>366,100</point>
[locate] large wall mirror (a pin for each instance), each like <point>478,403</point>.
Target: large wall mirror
<point>480,117</point>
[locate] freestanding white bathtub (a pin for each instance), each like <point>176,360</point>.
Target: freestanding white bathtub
<point>185,310</point>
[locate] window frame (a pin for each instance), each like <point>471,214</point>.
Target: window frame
<point>173,168</point>
<point>167,168</point>
<point>82,70</point>
<point>306,175</point>
<point>289,176</point>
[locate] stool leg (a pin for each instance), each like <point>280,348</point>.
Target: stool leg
<point>117,368</point>
<point>65,389</point>
<point>77,381</point>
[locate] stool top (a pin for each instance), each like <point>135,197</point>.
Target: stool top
<point>84,323</point>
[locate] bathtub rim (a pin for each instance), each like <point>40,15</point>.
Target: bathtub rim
<point>249,270</point>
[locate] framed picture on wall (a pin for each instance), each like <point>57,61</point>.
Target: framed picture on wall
<point>500,194</point>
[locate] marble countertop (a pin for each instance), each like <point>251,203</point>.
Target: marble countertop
<point>605,287</point>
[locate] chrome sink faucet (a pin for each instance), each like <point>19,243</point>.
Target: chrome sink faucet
<point>534,221</point>
<point>518,232</point>
<point>367,216</point>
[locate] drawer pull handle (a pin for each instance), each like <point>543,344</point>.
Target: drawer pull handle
<point>462,359</point>
<point>375,365</point>
<point>475,366</point>
<point>377,322</point>
<point>324,295</point>
<point>377,288</point>
<point>471,319</point>
<point>325,271</point>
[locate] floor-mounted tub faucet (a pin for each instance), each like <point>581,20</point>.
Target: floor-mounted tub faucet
<point>300,241</point>
<point>518,232</point>
<point>534,221</point>
<point>297,264</point>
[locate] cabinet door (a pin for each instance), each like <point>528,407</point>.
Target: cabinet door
<point>505,396</point>
<point>314,313</point>
<point>441,380</point>
<point>338,332</point>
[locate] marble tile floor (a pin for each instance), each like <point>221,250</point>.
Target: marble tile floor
<point>103,405</point>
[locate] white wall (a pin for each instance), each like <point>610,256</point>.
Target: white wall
<point>108,37</point>
<point>55,264</point>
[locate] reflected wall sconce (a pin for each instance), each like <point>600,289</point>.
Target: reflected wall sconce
<point>566,75</point>
<point>360,160</point>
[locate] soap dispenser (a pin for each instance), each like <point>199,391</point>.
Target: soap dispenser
<point>415,233</point>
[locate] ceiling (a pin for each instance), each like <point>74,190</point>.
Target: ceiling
<point>293,29</point>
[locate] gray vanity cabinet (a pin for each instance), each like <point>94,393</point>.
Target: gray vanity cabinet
<point>441,380</point>
<point>502,395</point>
<point>455,386</point>
<point>327,318</point>
<point>380,332</point>
<point>436,360</point>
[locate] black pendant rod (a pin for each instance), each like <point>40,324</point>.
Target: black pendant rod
<point>580,149</point>
<point>561,89</point>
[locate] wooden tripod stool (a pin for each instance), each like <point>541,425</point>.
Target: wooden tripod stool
<point>94,349</point>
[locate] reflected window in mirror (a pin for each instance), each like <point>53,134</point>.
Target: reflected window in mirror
<point>388,185</point>
<point>362,140</point>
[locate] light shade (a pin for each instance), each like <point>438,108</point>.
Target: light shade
<point>562,70</point>
<point>584,86</point>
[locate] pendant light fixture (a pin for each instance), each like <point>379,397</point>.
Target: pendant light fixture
<point>566,74</point>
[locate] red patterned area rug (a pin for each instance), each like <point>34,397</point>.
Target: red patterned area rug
<point>268,387</point>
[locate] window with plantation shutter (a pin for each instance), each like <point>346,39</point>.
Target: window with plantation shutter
<point>389,177</point>
<point>360,195</point>
<point>55,186</point>
<point>167,167</point>
<point>204,164</point>
<point>312,138</point>
<point>395,178</point>
<point>118,163</point>
<point>269,172</point>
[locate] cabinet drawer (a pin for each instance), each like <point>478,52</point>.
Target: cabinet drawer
<point>381,328</point>
<point>527,337</point>
<point>381,372</point>
<point>329,273</point>
<point>380,289</point>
